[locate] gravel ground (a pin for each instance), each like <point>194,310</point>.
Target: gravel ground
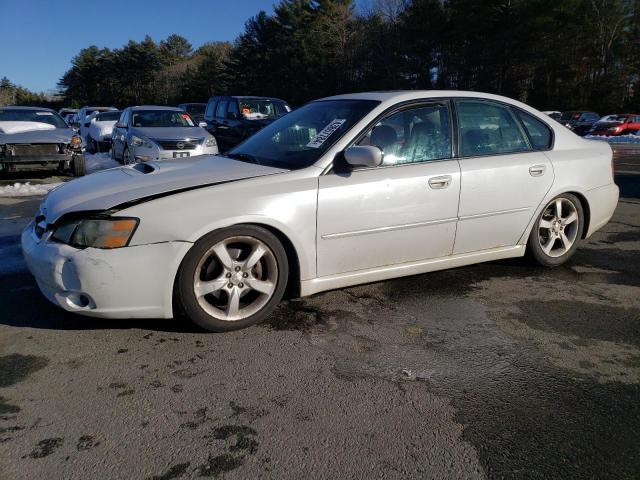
<point>499,370</point>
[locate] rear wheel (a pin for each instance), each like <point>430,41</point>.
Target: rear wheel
<point>232,278</point>
<point>554,238</point>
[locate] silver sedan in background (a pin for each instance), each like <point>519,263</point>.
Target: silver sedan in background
<point>155,133</point>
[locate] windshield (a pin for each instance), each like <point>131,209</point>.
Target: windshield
<point>160,118</point>
<point>299,139</point>
<point>41,116</point>
<point>615,118</point>
<point>566,116</point>
<point>258,108</point>
<point>108,116</point>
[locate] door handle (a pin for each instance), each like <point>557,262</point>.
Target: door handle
<point>537,170</point>
<point>440,182</point>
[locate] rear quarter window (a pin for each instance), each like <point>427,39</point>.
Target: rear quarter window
<point>539,133</point>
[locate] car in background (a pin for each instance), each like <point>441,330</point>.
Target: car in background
<point>146,133</point>
<point>85,114</point>
<point>345,190</point>
<point>64,112</point>
<point>614,125</point>
<point>233,119</point>
<point>555,114</point>
<point>100,131</point>
<point>34,138</point>
<point>195,110</point>
<point>579,121</point>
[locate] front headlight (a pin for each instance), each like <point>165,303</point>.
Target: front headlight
<point>97,232</point>
<point>140,142</point>
<point>210,142</point>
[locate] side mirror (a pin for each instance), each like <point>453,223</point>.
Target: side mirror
<point>363,156</point>
<point>203,124</point>
<point>121,125</point>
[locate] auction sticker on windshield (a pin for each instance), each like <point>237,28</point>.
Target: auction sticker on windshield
<point>320,138</point>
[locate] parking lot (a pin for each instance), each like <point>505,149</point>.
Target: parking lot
<point>500,370</point>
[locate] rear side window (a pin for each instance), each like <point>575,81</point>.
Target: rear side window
<point>488,129</point>
<point>539,133</point>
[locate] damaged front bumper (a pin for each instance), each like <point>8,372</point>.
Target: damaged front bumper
<point>128,282</point>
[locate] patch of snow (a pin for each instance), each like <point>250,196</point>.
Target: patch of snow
<point>99,161</point>
<point>19,127</point>
<point>616,139</point>
<point>27,189</point>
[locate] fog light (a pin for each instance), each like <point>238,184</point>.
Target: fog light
<point>78,300</point>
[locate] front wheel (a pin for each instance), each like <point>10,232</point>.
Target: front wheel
<point>127,159</point>
<point>555,235</point>
<point>78,167</point>
<point>232,278</point>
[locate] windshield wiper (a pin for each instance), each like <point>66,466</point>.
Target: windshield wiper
<point>243,157</point>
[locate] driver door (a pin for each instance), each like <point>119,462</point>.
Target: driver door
<point>402,211</point>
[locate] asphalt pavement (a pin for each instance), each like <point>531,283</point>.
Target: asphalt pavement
<point>500,370</point>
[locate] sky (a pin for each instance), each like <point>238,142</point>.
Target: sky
<point>38,38</point>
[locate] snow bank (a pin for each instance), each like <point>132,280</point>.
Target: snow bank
<point>26,189</point>
<point>99,161</point>
<point>617,139</point>
<point>19,127</point>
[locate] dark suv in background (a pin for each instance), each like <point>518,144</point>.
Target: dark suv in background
<point>579,121</point>
<point>232,119</point>
<point>195,110</point>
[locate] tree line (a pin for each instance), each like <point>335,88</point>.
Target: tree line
<point>551,54</point>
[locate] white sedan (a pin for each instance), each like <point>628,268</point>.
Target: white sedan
<point>345,190</point>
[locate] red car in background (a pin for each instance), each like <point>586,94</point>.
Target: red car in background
<point>620,124</point>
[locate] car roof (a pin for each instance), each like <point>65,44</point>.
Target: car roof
<point>253,97</point>
<point>193,103</point>
<point>154,107</point>
<point>18,107</point>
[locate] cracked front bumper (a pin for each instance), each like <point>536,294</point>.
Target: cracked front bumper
<point>129,282</point>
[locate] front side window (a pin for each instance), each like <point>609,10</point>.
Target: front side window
<point>160,118</point>
<point>539,133</point>
<point>233,111</point>
<point>259,109</point>
<point>488,129</point>
<point>414,135</point>
<point>300,138</point>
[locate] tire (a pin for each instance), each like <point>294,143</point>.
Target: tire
<point>126,157</point>
<point>551,235</point>
<point>238,291</point>
<point>78,167</point>
<point>113,153</point>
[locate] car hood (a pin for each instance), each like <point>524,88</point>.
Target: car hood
<point>170,133</point>
<point>58,135</point>
<point>125,185</point>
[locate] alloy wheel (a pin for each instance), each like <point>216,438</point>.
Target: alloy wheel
<point>235,278</point>
<point>558,227</point>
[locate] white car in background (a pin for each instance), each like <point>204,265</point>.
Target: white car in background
<point>85,114</point>
<point>100,129</point>
<point>345,190</point>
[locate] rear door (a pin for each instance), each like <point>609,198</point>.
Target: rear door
<point>505,174</point>
<point>404,210</point>
<point>221,124</point>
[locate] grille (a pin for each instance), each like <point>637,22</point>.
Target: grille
<point>190,144</point>
<point>39,149</point>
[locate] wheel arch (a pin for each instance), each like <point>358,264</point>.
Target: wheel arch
<point>293,281</point>
<point>586,210</point>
